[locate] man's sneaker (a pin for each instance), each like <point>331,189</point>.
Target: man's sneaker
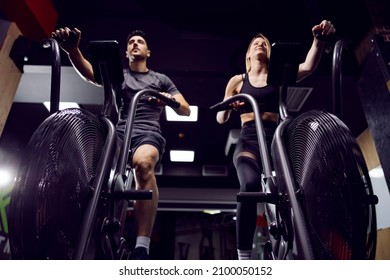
<point>139,253</point>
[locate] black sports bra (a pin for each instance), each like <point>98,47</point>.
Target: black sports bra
<point>267,97</point>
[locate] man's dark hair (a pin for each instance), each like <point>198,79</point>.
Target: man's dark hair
<point>137,32</point>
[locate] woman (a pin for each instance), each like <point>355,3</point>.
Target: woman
<point>246,156</point>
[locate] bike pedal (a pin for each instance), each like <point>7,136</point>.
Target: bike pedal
<point>123,251</point>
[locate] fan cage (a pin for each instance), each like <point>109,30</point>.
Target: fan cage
<point>54,185</point>
<point>330,172</point>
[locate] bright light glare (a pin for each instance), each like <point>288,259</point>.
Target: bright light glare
<point>173,116</point>
<point>5,178</point>
<point>212,212</point>
<point>377,172</point>
<point>182,156</point>
<point>62,105</point>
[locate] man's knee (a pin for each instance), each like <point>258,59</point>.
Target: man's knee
<point>144,169</point>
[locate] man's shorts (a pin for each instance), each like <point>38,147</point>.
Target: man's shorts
<point>141,137</point>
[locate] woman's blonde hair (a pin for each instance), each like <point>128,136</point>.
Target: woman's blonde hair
<point>248,59</point>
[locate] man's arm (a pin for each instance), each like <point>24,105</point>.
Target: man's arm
<point>170,90</point>
<point>82,66</point>
<point>184,109</point>
<point>70,44</point>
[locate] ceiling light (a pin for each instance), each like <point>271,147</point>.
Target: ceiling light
<point>212,212</point>
<point>62,105</point>
<point>173,116</point>
<point>182,156</point>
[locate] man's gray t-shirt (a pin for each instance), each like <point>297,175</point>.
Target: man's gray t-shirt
<point>147,115</point>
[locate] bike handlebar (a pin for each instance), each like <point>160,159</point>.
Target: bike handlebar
<point>224,105</point>
<point>72,35</point>
<point>326,38</point>
<point>264,154</point>
<point>171,102</point>
<point>121,167</point>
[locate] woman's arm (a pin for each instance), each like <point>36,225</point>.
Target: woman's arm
<point>313,57</point>
<point>231,89</point>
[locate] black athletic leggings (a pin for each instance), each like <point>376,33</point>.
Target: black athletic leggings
<point>249,169</point>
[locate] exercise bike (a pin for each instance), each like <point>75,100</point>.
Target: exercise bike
<point>75,180</point>
<point>317,193</point>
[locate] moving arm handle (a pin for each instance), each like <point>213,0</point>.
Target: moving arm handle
<point>55,74</point>
<point>337,62</point>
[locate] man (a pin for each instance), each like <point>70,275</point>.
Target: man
<point>147,143</point>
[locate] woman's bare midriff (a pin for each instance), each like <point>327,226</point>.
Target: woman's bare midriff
<point>266,116</point>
